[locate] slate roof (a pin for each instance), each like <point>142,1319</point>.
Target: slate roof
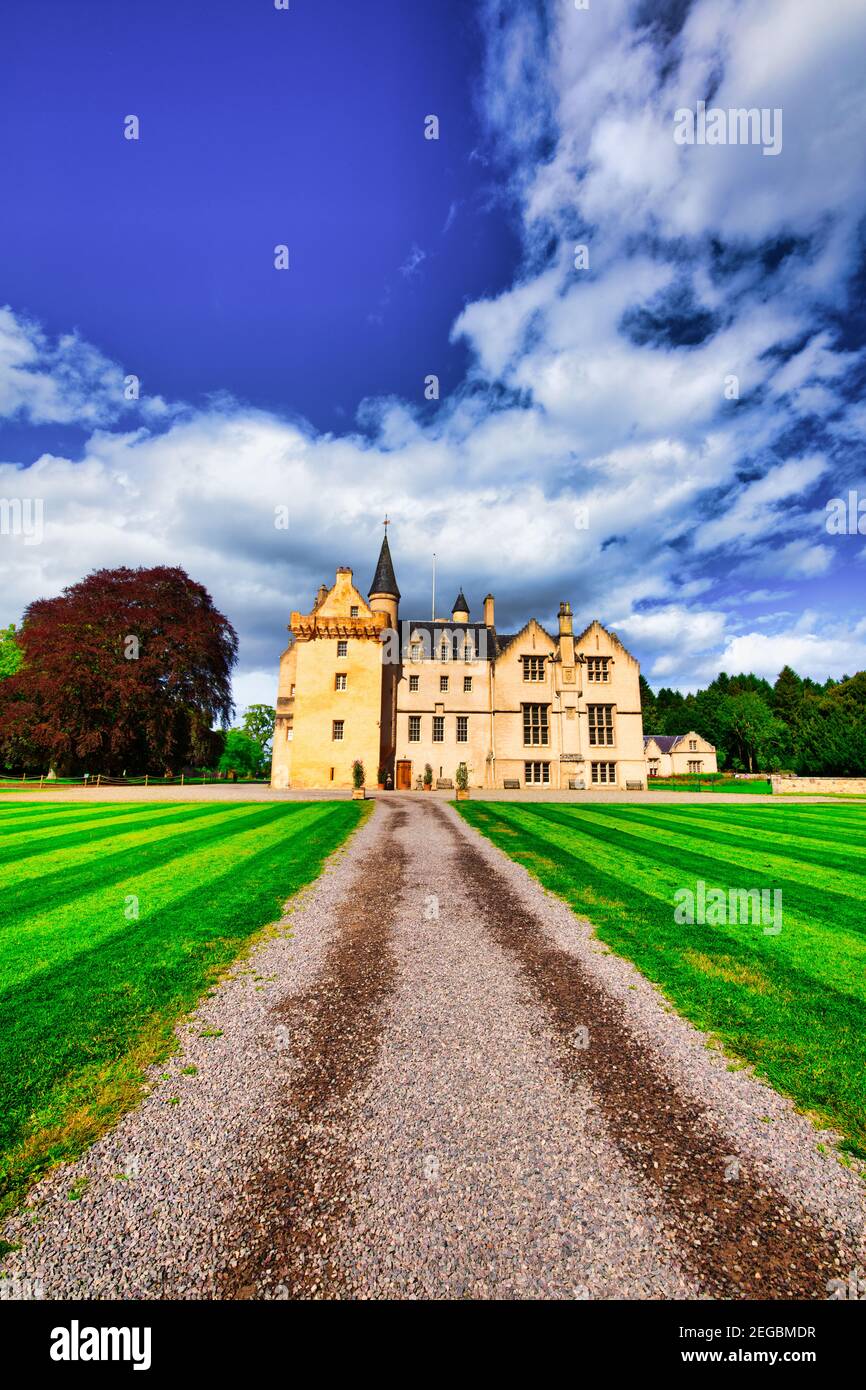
<point>460,604</point>
<point>665,741</point>
<point>384,580</point>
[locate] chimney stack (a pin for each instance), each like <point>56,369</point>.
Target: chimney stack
<point>488,611</point>
<point>566,635</point>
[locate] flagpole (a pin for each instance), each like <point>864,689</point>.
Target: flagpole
<point>433,614</point>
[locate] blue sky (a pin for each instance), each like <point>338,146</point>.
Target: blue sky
<point>585,443</point>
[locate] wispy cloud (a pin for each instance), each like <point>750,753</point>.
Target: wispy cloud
<point>413,261</point>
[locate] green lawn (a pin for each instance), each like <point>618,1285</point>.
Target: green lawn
<point>738,787</point>
<point>89,991</point>
<point>793,1004</point>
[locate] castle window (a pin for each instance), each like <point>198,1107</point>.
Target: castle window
<point>538,773</point>
<point>414,728</point>
<point>445,652</point>
<point>604,773</point>
<point>533,668</point>
<point>342,649</point>
<point>438,728</point>
<point>354,611</point>
<point>598,668</point>
<point>693,745</point>
<point>467,684</point>
<point>468,650</point>
<point>443,682</point>
<point>413,682</point>
<point>535,724</point>
<point>463,728</point>
<point>337,730</point>
<point>695,766</point>
<point>600,724</point>
<point>340,681</point>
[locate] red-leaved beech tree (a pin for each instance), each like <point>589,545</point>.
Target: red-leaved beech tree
<point>126,671</point>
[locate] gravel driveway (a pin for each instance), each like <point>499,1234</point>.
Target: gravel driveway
<point>435,1083</point>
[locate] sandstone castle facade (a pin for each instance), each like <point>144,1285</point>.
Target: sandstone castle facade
<point>530,708</point>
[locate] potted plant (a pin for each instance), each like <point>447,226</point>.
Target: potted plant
<point>462,780</point>
<point>428,778</point>
<point>358,780</point>
<point>380,778</point>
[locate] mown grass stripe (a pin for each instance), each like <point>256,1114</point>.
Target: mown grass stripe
<point>72,876</point>
<point>48,935</point>
<point>786,845</point>
<point>73,805</point>
<point>72,810</point>
<point>660,878</point>
<point>654,888</point>
<point>24,846</point>
<point>751,863</point>
<point>792,826</point>
<point>58,815</point>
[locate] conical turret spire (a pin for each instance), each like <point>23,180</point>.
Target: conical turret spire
<point>384,580</point>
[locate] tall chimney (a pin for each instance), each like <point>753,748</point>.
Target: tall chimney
<point>488,611</point>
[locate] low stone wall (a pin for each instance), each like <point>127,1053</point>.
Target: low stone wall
<point>818,785</point>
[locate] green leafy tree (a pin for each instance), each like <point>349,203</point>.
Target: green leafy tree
<point>649,707</point>
<point>242,754</point>
<point>753,737</point>
<point>259,723</point>
<point>11,655</point>
<point>748,683</point>
<point>671,707</point>
<point>831,739</point>
<point>787,696</point>
<point>852,690</point>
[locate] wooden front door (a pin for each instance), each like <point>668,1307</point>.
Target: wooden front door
<point>404,776</point>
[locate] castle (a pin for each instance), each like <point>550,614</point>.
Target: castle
<point>530,708</point>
